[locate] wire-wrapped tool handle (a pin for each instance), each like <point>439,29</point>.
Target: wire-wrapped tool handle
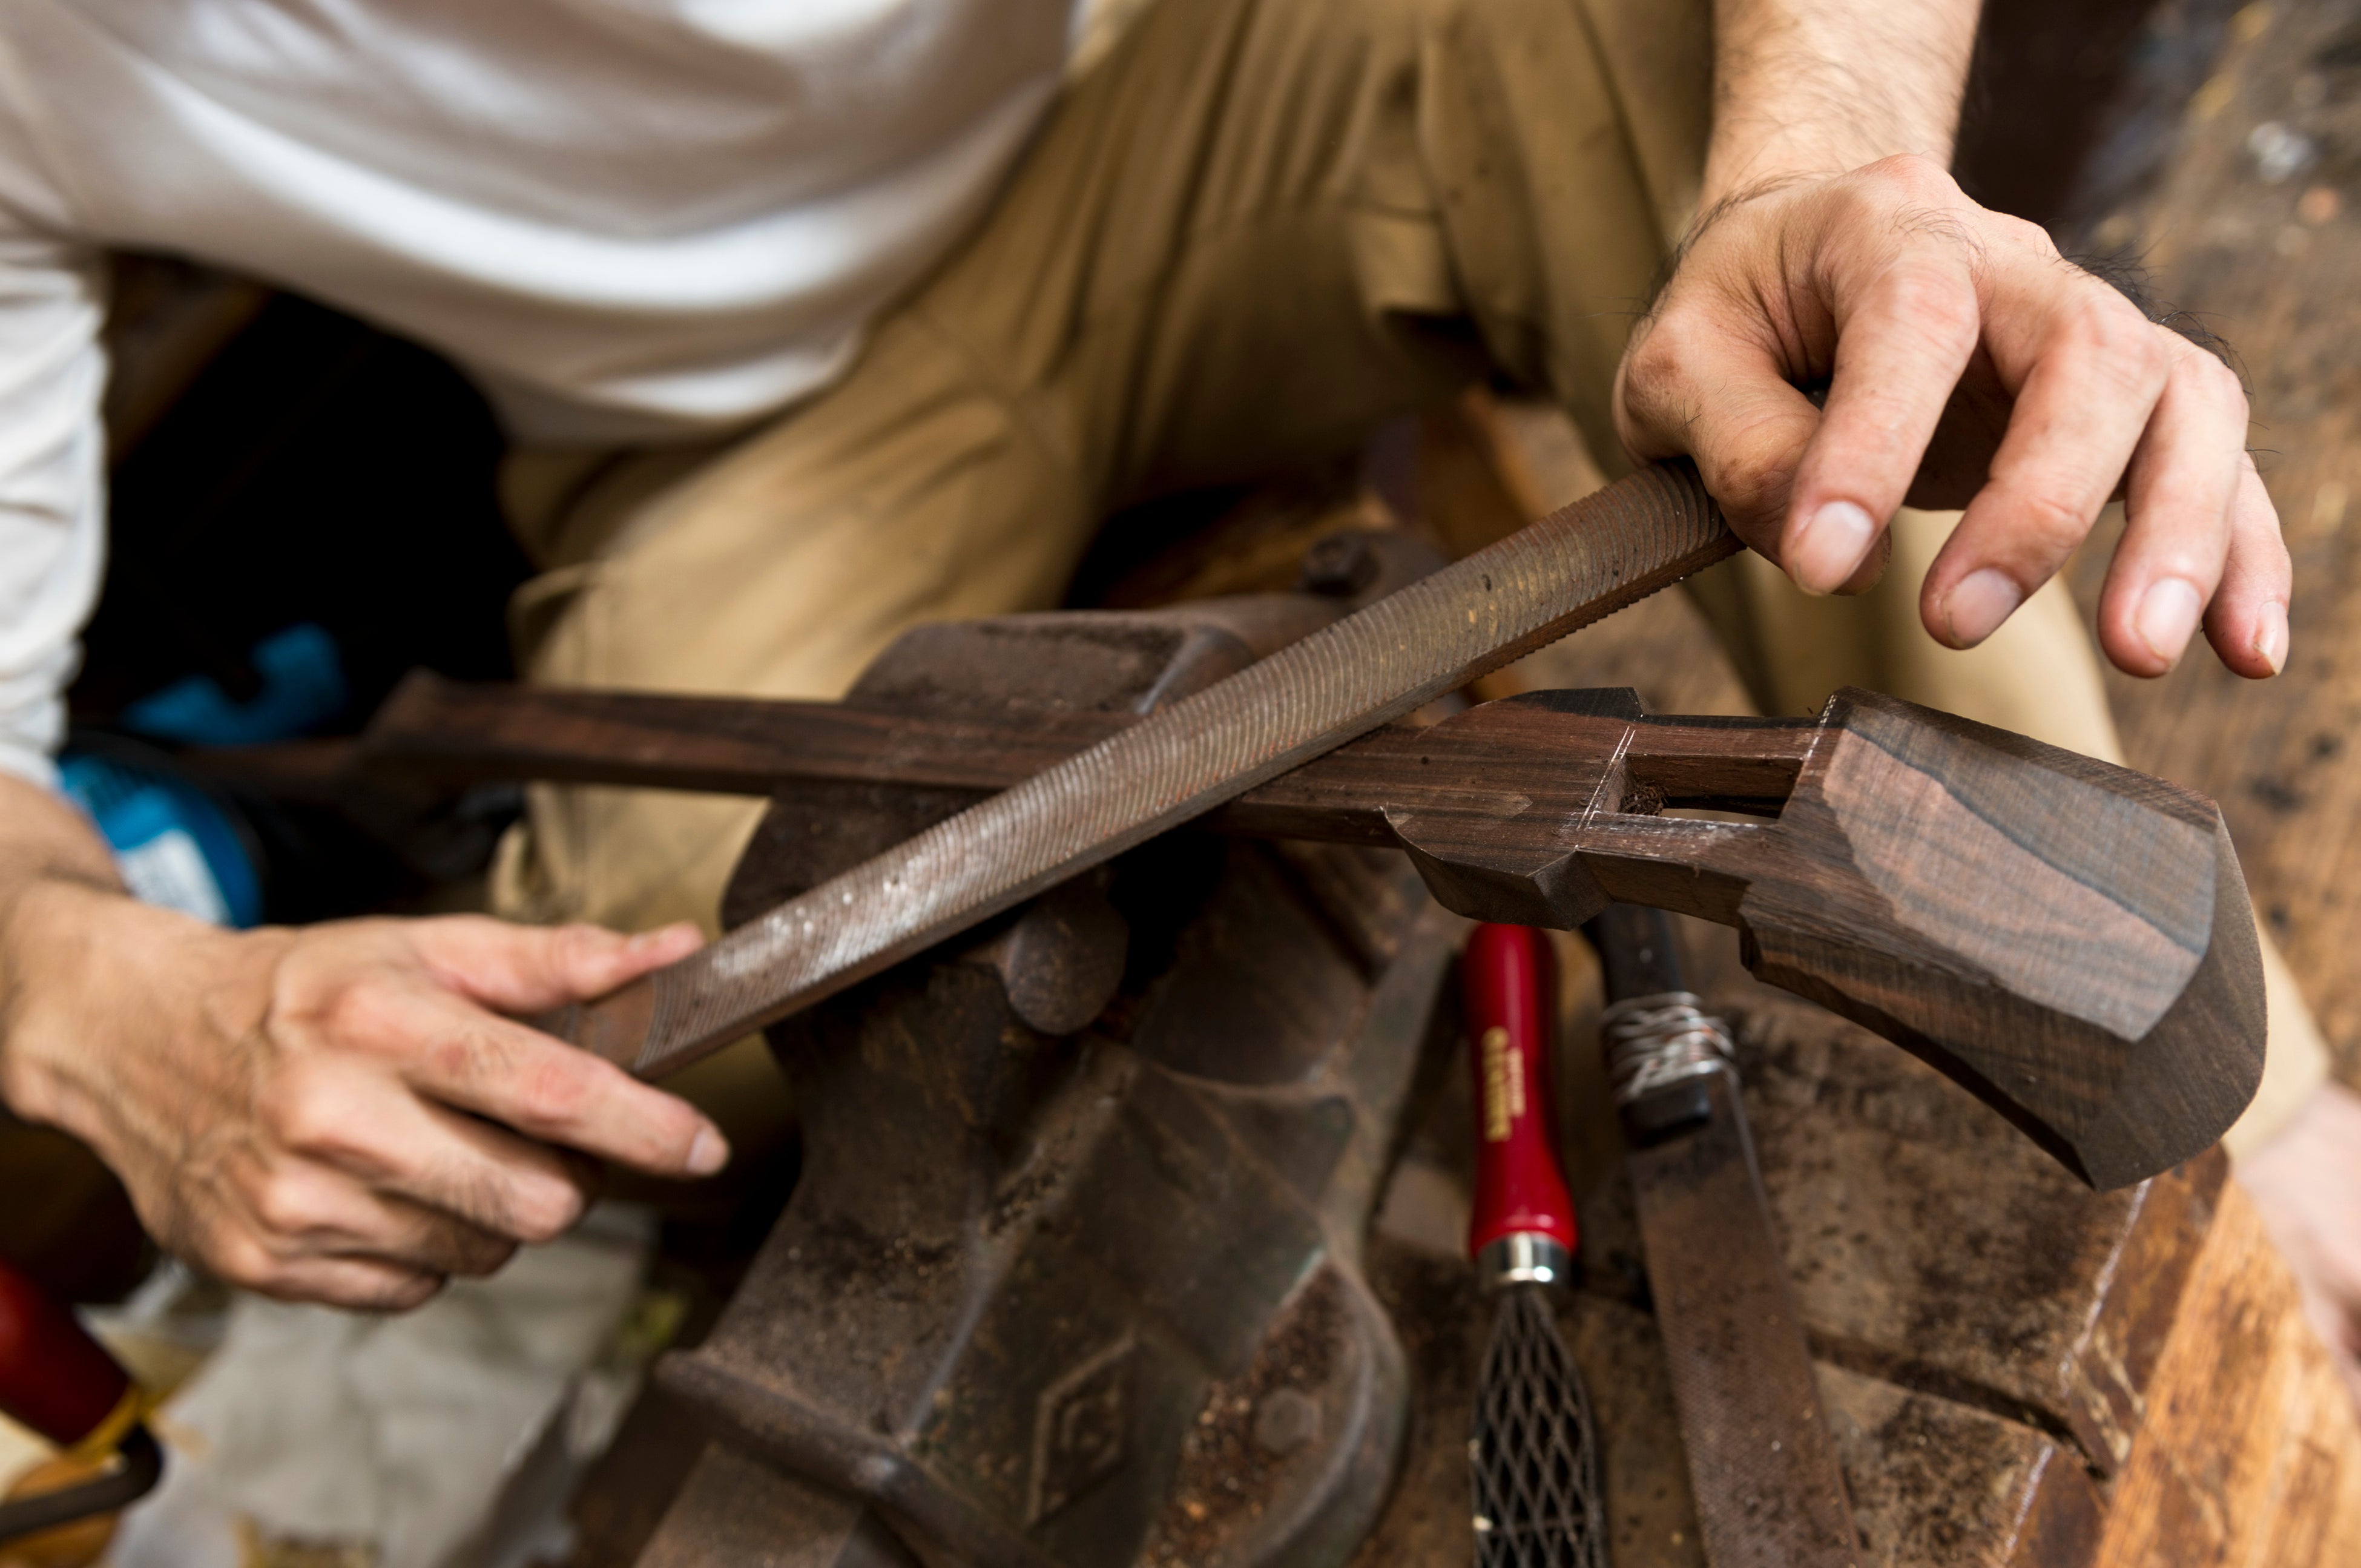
<point>1769,1485</point>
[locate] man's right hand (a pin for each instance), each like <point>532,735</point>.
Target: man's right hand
<point>339,1113</point>
<point>1966,364</point>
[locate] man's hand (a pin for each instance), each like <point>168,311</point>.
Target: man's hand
<point>2307,1182</point>
<point>1966,364</point>
<point>338,1114</point>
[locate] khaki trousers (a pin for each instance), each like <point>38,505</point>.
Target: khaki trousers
<point>1249,231</point>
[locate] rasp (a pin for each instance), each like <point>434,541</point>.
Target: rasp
<point>1770,1489</point>
<point>1532,1445</point>
<point>1617,546</point>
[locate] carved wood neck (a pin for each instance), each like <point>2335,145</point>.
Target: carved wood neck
<point>2069,940</point>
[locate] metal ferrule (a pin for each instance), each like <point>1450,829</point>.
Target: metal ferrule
<point>1523,1257</point>
<point>1653,1041</point>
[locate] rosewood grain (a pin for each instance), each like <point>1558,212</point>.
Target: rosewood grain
<point>2071,941</point>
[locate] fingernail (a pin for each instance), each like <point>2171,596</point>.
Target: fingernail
<point>1977,603</point>
<point>2271,637</point>
<point>1829,549</point>
<point>2166,615</point>
<point>710,1153</point>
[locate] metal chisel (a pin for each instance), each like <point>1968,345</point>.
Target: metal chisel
<point>1770,1489</point>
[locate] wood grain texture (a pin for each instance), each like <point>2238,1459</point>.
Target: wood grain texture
<point>1914,882</point>
<point>1912,1454</point>
<point>1989,1331</point>
<point>2271,266</point>
<point>1936,1258</point>
<point>1962,1291</point>
<point>2249,1452</point>
<point>2066,939</point>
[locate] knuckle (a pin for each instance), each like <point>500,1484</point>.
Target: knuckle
<point>467,1056</point>
<point>483,1256</point>
<point>542,1212</point>
<point>2111,328</point>
<point>1752,481</point>
<point>2224,382</point>
<point>579,942</point>
<point>242,1260</point>
<point>303,1111</point>
<point>1660,351</point>
<point>555,1093</point>
<point>1914,175</point>
<point>285,1207</point>
<point>512,1203</point>
<point>1756,481</point>
<point>405,1295</point>
<point>2051,522</point>
<point>2020,232</point>
<point>349,1010</point>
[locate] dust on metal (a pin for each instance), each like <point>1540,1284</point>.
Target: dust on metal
<point>1769,1489</point>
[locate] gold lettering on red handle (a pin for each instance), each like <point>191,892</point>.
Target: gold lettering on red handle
<point>1504,1084</point>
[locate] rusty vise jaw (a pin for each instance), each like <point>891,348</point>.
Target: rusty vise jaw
<point>1070,1277</point>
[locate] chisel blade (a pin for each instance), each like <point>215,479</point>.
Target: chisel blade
<point>1770,1490</point>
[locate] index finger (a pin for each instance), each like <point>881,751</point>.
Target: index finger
<point>530,969</point>
<point>522,1078</point>
<point>1901,347</point>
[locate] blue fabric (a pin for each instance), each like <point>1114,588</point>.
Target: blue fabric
<point>136,809</point>
<point>302,688</point>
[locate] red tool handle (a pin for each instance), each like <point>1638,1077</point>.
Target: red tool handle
<point>54,1378</point>
<point>1509,980</point>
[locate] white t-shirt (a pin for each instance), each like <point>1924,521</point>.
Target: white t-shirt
<point>628,219</point>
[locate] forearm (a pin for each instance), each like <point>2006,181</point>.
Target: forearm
<point>50,860</point>
<point>1822,86</point>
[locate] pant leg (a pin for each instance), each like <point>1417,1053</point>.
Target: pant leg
<point>1253,229</point>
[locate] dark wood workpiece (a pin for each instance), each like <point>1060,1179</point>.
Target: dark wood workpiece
<point>2068,940</point>
<point>2019,1371</point>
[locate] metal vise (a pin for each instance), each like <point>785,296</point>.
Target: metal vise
<point>1071,1275</point>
